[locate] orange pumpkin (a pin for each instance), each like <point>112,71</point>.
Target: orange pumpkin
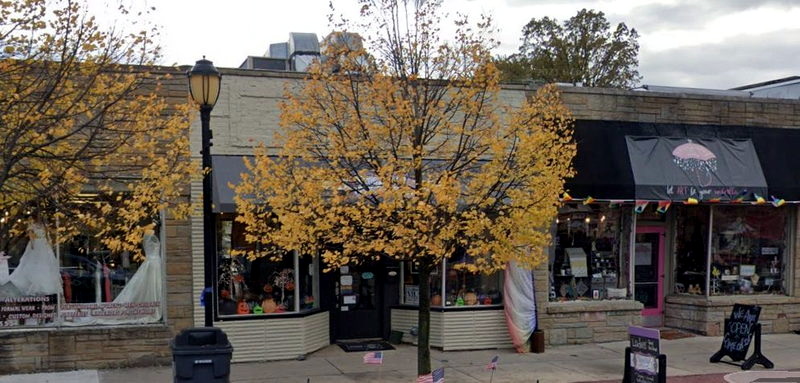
<point>436,300</point>
<point>242,308</point>
<point>269,305</point>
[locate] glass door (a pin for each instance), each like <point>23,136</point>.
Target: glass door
<point>649,272</point>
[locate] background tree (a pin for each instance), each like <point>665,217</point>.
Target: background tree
<point>409,153</point>
<point>584,49</point>
<point>85,138</point>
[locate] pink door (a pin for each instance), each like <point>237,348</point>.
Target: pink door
<point>649,272</point>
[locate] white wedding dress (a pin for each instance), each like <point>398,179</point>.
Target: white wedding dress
<point>146,285</point>
<point>143,288</point>
<point>38,272</point>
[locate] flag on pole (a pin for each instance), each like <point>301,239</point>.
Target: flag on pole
<point>374,357</point>
<point>436,376</point>
<point>493,364</point>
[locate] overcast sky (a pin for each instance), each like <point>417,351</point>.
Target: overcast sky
<point>695,43</point>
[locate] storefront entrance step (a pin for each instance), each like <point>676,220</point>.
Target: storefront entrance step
<point>80,376</point>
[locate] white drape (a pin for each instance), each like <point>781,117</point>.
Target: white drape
<point>519,305</point>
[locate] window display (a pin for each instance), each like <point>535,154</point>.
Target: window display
<point>461,287</point>
<point>748,248</point>
<point>585,263</point>
<point>471,289</point>
<point>77,281</point>
<point>261,286</point>
<point>411,285</point>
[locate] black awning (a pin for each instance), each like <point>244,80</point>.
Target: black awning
<point>225,170</point>
<point>667,168</point>
<point>604,169</point>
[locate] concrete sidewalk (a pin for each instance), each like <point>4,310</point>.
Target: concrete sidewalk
<point>686,358</point>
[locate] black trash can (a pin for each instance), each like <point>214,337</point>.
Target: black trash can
<point>201,355</point>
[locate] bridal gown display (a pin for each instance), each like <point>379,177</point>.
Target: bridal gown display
<point>146,285</point>
<point>38,272</point>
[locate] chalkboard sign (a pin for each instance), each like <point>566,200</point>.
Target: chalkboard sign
<point>644,354</point>
<point>739,330</point>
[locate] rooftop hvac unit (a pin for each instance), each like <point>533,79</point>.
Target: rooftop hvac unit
<point>269,63</point>
<point>278,51</point>
<point>303,50</point>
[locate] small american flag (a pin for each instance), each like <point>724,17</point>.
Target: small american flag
<point>374,357</point>
<point>493,364</point>
<point>436,376</point>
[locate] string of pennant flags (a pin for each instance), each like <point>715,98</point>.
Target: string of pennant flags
<point>663,206</point>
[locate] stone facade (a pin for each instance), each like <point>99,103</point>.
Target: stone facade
<point>779,314</point>
<point>43,349</point>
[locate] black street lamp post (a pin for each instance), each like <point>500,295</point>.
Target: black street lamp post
<point>204,86</point>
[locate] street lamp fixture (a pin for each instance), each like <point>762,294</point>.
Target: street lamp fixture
<point>204,86</point>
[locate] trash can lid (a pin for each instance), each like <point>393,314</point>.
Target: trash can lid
<point>201,337</point>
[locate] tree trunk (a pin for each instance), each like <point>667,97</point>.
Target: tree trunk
<point>424,320</point>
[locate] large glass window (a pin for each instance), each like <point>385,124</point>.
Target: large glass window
<point>585,263</point>
<point>262,286</point>
<point>455,287</point>
<point>411,285</point>
<point>471,289</point>
<point>691,249</point>
<point>748,247</point>
<point>76,281</point>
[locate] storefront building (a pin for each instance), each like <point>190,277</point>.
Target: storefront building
<point>683,205</point>
<point>615,261</point>
<point>94,308</point>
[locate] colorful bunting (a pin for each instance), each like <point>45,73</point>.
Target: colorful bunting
<point>640,206</point>
<point>663,206</point>
<point>588,200</point>
<point>777,202</point>
<point>566,197</point>
<point>759,200</point>
<point>715,200</point>
<point>740,198</point>
<point>691,201</point>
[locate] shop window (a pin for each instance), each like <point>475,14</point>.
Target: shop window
<point>411,285</point>
<point>460,287</point>
<point>748,247</point>
<point>691,249</point>
<point>262,286</point>
<point>78,281</point>
<point>585,262</point>
<point>464,288</point>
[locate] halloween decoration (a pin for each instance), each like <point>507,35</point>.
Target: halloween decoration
<point>269,306</point>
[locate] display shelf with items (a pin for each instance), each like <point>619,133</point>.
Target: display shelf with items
<point>585,264</point>
<point>261,286</point>
<point>748,250</point>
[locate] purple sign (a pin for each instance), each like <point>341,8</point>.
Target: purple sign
<point>644,354</point>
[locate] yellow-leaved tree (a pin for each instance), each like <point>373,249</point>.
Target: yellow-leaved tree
<point>87,141</point>
<point>405,149</point>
